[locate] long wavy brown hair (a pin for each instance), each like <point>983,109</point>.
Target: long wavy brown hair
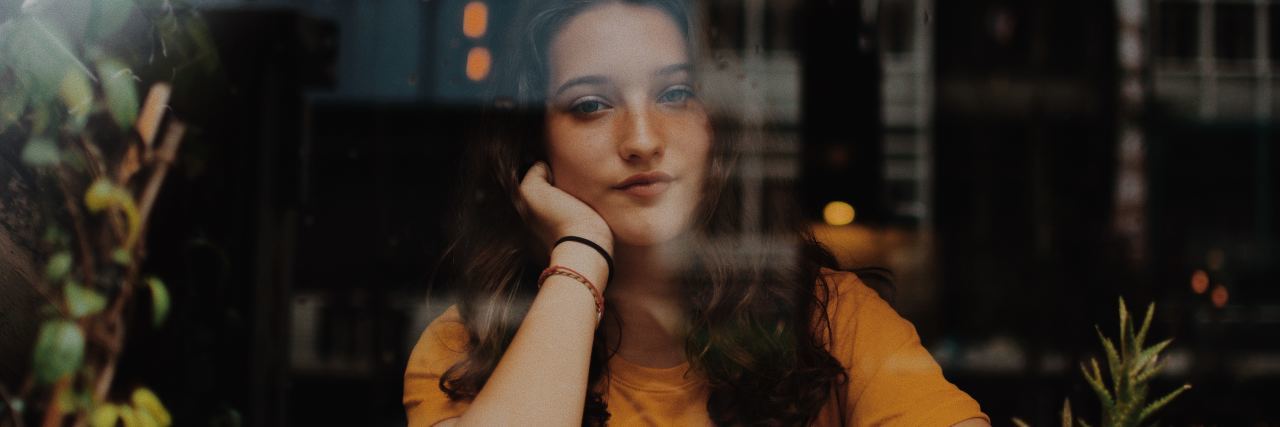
<point>757,309</point>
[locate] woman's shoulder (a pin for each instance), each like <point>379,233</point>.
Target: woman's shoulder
<point>850,289</point>
<point>444,338</point>
<point>860,318</point>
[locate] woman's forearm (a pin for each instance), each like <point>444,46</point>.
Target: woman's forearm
<point>542,377</point>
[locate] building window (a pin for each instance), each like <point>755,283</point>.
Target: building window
<point>897,26</point>
<point>1177,26</point>
<point>1233,31</point>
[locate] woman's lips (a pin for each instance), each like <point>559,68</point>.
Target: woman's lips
<point>648,184</point>
<point>649,189</point>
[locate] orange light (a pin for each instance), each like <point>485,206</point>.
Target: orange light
<point>478,61</point>
<point>1199,281</point>
<point>475,17</point>
<point>838,213</point>
<point>1219,296</point>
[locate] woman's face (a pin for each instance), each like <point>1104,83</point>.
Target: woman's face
<point>621,109</point>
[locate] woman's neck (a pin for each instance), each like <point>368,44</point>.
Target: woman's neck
<point>646,298</point>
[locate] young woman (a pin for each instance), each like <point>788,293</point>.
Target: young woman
<point>609,271</point>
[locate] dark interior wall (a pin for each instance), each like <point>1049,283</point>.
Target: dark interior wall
<point>1024,156</point>
<point>1024,167</point>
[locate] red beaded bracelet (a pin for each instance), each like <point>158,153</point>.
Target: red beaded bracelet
<point>570,273</point>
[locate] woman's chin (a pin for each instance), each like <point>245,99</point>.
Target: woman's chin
<point>645,236</point>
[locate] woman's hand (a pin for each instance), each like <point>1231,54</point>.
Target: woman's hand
<point>553,213</point>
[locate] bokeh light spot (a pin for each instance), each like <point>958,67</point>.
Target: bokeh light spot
<point>478,61</point>
<point>1199,281</point>
<point>475,19</point>
<point>1219,296</point>
<point>838,213</point>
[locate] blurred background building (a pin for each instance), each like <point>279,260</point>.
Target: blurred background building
<point>1018,164</point>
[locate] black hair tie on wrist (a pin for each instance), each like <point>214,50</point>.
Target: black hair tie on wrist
<point>607,259</point>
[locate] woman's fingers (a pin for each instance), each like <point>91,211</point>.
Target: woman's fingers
<point>537,174</point>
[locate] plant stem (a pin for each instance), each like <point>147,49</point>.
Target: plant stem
<point>53,413</point>
<point>165,156</point>
<point>77,221</point>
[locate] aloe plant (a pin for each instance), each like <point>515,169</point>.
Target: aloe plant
<point>1130,367</point>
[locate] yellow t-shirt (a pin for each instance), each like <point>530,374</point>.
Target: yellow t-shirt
<point>893,380</point>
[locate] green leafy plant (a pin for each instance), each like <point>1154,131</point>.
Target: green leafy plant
<point>1130,367</point>
<point>70,73</point>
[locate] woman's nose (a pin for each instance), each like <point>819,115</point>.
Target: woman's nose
<point>639,136</point>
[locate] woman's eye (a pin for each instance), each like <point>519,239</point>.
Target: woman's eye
<point>676,96</point>
<point>588,106</point>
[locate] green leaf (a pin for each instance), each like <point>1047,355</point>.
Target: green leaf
<point>58,267</point>
<point>37,72</point>
<point>206,52</point>
<point>1160,403</point>
<point>1151,372</point>
<point>1113,362</point>
<point>74,400</point>
<point>1126,331</point>
<point>102,194</point>
<point>1095,382</point>
<point>159,300</point>
<point>41,118</point>
<point>1146,324</point>
<point>121,92</point>
<point>12,105</point>
<point>59,350</point>
<point>109,16</point>
<point>77,95</point>
<point>146,401</point>
<point>105,415</point>
<point>40,58</point>
<point>121,257</point>
<point>83,301</point>
<point>40,152</point>
<point>1148,357</point>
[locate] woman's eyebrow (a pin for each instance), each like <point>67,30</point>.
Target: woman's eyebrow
<point>584,80</point>
<point>596,79</point>
<point>673,68</point>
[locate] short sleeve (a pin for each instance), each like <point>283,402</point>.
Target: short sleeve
<point>893,379</point>
<point>441,345</point>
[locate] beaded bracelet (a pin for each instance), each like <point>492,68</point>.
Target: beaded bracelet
<point>570,273</point>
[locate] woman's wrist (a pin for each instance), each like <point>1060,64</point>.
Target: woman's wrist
<point>584,260</point>
<point>602,238</point>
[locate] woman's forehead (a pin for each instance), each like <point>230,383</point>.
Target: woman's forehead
<point>616,41</point>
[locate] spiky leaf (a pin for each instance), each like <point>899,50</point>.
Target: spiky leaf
<point>1161,402</point>
<point>1147,358</point>
<point>1114,368</point>
<point>1146,325</point>
<point>1066,412</point>
<point>1095,382</point>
